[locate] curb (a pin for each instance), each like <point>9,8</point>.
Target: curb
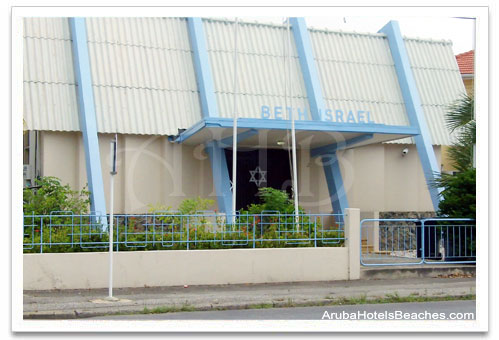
<point>83,314</point>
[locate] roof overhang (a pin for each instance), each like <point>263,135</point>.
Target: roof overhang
<point>273,133</point>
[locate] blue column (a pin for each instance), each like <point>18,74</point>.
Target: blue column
<point>331,166</point>
<point>334,181</point>
<point>413,107</point>
<point>221,177</point>
<point>209,108</point>
<point>86,109</point>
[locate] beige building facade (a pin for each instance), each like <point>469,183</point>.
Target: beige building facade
<point>154,171</point>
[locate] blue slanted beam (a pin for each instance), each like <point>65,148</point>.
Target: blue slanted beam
<point>413,107</point>
<point>330,163</point>
<point>332,148</point>
<point>308,68</point>
<point>202,67</point>
<point>336,188</point>
<point>88,122</point>
<point>221,177</point>
<point>209,107</point>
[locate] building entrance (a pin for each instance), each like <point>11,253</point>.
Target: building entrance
<point>258,169</point>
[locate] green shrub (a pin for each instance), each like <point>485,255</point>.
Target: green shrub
<point>192,205</point>
<point>156,232</point>
<point>459,195</point>
<point>85,238</point>
<point>50,195</point>
<point>273,200</point>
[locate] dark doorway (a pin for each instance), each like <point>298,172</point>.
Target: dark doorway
<point>258,169</point>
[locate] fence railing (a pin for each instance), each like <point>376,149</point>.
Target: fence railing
<point>389,242</point>
<point>68,232</point>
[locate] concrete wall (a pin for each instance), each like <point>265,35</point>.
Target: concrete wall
<point>179,267</point>
<point>197,267</point>
<point>154,171</point>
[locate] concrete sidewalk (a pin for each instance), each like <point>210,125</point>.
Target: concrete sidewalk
<point>87,303</point>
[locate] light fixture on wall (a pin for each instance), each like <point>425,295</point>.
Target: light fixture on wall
<point>405,151</point>
<point>280,142</point>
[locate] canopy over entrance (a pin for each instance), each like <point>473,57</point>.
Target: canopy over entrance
<point>269,133</point>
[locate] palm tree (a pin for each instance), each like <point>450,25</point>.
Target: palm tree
<point>459,190</point>
<point>461,120</point>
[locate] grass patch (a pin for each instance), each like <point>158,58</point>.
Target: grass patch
<point>256,306</point>
<point>168,309</point>
<point>360,300</point>
<point>393,298</point>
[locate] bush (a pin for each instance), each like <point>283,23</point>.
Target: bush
<point>273,200</point>
<point>62,237</point>
<point>50,195</point>
<point>459,195</point>
<point>165,229</point>
<point>192,205</point>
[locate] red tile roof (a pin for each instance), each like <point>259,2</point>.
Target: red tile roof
<point>465,61</point>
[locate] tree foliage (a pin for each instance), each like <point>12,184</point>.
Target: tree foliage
<point>459,195</point>
<point>459,190</point>
<point>460,120</point>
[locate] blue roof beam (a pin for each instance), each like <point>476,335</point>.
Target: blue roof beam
<point>209,109</point>
<point>308,67</point>
<point>202,67</point>
<point>88,122</point>
<point>413,107</point>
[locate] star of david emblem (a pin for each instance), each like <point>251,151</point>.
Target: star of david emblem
<point>262,176</point>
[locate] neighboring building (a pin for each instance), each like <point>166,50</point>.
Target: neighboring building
<point>466,63</point>
<point>369,107</point>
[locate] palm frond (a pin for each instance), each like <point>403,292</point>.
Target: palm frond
<point>461,112</point>
<point>461,156</point>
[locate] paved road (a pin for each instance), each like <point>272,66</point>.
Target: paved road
<point>314,313</point>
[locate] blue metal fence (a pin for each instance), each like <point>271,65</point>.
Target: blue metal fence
<point>392,242</point>
<point>68,232</point>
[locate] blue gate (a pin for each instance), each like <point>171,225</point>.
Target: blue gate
<point>399,242</point>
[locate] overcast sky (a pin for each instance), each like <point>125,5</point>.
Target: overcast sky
<point>459,31</point>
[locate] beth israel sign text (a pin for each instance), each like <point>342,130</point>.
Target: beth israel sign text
<point>328,115</point>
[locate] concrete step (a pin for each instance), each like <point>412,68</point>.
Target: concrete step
<point>417,271</point>
<point>380,252</point>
